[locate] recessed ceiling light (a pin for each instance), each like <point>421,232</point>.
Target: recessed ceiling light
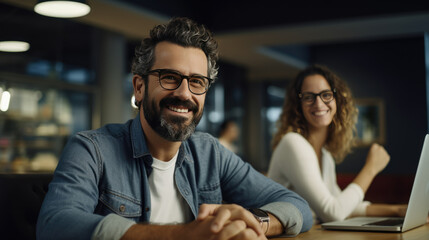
<point>62,9</point>
<point>14,46</point>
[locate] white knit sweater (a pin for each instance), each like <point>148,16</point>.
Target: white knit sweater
<point>294,164</point>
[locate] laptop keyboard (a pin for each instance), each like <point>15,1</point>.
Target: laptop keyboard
<point>388,222</point>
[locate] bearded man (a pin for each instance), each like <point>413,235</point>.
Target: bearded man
<point>154,177</point>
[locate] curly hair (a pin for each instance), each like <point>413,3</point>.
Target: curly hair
<point>341,131</point>
<point>182,31</point>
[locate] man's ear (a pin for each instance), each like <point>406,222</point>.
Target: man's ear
<point>138,85</point>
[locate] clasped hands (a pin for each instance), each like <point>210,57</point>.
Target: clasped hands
<point>224,221</point>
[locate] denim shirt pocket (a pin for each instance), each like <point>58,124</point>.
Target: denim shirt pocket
<point>112,202</point>
<point>210,194</point>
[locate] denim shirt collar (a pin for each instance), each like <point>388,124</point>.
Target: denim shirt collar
<point>138,142</point>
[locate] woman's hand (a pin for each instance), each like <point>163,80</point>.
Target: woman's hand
<point>377,159</point>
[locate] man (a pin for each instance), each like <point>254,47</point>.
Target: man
<point>153,177</point>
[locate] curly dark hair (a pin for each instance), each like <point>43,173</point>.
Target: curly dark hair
<point>182,31</point>
<point>342,131</point>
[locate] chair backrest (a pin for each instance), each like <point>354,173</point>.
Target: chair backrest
<point>21,196</point>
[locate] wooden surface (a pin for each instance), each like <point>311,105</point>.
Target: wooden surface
<point>419,233</point>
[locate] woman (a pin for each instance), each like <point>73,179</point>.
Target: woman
<point>316,130</point>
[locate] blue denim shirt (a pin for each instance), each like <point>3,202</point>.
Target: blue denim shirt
<point>106,171</point>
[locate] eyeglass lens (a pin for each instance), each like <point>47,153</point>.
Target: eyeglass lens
<point>310,98</point>
<point>171,80</point>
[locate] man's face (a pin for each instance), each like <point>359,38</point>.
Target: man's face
<point>174,114</point>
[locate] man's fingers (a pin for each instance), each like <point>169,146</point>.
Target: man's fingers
<point>231,229</point>
<point>228,212</point>
<point>250,220</point>
<point>223,215</point>
<point>236,212</point>
<point>247,234</point>
<point>207,210</point>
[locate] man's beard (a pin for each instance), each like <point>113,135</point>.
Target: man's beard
<point>172,128</point>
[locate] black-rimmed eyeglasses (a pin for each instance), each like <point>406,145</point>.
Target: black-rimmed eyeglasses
<point>309,98</point>
<point>171,80</point>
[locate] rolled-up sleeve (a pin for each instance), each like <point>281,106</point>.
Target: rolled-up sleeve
<point>112,227</point>
<point>289,216</point>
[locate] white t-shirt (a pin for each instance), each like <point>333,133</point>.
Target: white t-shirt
<point>168,205</point>
<point>295,165</point>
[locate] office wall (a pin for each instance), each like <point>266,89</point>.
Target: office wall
<point>393,70</point>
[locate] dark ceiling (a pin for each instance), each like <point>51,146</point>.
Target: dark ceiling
<point>234,22</point>
<point>229,15</point>
<point>229,18</point>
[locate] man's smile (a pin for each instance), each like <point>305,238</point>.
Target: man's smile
<point>178,109</point>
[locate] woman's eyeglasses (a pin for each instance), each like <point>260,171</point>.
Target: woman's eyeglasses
<point>309,98</point>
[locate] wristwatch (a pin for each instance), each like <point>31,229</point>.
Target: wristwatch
<point>261,216</point>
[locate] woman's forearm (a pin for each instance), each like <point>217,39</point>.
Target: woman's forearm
<point>386,210</point>
<point>364,178</point>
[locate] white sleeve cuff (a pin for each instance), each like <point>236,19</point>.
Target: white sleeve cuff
<point>112,227</point>
<point>360,210</point>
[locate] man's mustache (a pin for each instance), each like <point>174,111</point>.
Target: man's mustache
<point>177,102</point>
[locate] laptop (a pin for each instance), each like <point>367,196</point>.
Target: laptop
<point>417,210</point>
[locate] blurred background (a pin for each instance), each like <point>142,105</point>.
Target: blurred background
<point>75,74</point>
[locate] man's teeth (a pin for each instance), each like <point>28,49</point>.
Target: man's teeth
<point>180,110</point>
<point>320,113</point>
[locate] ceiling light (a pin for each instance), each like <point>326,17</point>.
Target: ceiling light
<point>62,9</point>
<point>14,46</point>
